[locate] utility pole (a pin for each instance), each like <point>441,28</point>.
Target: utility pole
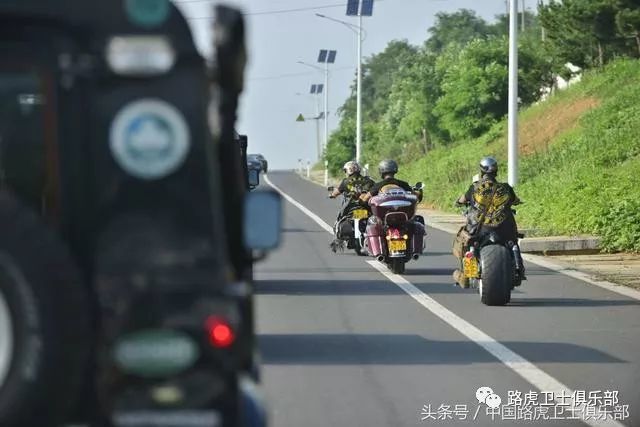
<point>524,8</point>
<point>513,94</point>
<point>359,94</point>
<point>357,8</point>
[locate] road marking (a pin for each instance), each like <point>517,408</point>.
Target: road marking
<point>306,211</point>
<point>515,362</point>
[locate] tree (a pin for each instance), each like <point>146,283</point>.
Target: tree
<point>583,32</point>
<point>628,21</point>
<point>459,27</point>
<point>475,84</point>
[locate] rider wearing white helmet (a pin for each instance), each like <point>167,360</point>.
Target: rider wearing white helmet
<point>354,182</point>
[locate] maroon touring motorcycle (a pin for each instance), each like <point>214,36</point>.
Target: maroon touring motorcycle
<point>395,234</point>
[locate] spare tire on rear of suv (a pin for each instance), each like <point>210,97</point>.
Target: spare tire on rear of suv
<point>45,326</point>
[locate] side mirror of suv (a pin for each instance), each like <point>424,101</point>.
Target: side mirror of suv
<point>262,220</point>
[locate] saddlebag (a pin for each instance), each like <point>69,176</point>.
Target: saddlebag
<point>375,238</point>
<point>461,242</point>
<point>419,234</point>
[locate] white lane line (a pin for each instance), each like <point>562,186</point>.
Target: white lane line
<point>521,366</point>
<point>306,211</point>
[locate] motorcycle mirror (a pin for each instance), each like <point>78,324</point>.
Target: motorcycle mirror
<point>331,188</point>
<point>262,220</point>
<point>419,185</point>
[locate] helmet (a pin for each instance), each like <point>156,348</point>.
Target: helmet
<point>387,166</point>
<point>351,167</point>
<point>488,166</point>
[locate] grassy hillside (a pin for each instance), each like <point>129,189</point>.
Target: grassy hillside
<point>579,165</point>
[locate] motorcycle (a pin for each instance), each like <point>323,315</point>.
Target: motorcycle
<point>351,224</point>
<point>490,264</point>
<point>394,234</point>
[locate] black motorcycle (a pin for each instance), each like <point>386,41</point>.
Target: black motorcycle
<point>351,223</point>
<point>490,264</point>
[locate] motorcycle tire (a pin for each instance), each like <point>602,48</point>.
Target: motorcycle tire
<point>397,266</point>
<point>497,275</point>
<point>45,310</point>
<point>360,249</point>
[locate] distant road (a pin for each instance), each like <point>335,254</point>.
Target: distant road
<point>344,345</point>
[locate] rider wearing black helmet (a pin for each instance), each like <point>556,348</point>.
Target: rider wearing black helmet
<point>388,169</point>
<point>491,203</point>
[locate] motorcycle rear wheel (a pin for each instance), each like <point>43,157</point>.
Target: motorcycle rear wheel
<point>497,275</point>
<point>397,265</point>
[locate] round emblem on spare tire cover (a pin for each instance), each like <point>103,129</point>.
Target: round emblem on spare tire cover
<point>149,139</point>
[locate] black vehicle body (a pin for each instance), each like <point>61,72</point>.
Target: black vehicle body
<point>261,159</point>
<point>160,258</point>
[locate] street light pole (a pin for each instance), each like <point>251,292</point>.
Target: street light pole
<point>359,94</point>
<point>358,30</point>
<point>513,94</point>
<point>325,70</point>
<point>326,106</point>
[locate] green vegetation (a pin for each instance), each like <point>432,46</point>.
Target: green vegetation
<point>438,108</point>
<point>582,171</point>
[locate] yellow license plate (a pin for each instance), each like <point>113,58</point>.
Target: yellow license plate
<point>397,245</point>
<point>470,267</point>
<point>360,214</point>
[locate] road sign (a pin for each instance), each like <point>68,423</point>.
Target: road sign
<point>300,118</point>
<point>149,139</point>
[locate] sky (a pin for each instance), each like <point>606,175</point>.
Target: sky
<point>277,87</point>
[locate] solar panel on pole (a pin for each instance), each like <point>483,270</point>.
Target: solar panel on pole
<point>332,57</point>
<point>323,56</point>
<point>352,7</point>
<point>313,88</point>
<point>367,8</point>
<point>319,88</point>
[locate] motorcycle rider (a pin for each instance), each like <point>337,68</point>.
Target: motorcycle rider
<point>354,185</point>
<point>490,204</point>
<point>388,169</point>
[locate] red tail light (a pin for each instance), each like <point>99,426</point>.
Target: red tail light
<point>219,331</point>
<point>394,233</point>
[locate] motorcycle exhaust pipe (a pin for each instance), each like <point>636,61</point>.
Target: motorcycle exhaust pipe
<point>380,258</point>
<point>415,257</point>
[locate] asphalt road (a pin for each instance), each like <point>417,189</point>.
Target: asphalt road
<point>343,345</point>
